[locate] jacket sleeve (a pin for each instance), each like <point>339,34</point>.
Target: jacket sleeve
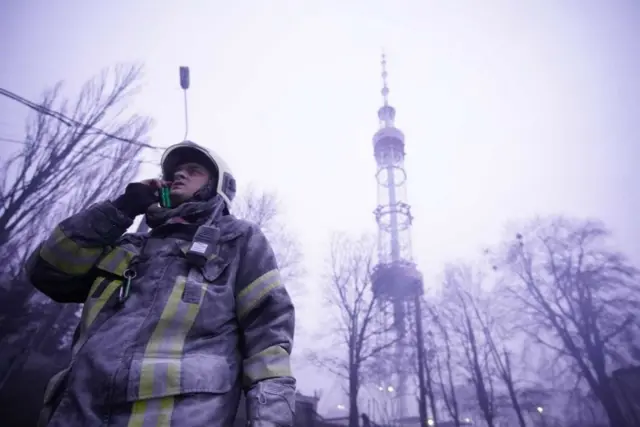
<point>61,265</point>
<point>267,320</point>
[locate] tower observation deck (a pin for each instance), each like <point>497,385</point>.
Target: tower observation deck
<point>395,279</point>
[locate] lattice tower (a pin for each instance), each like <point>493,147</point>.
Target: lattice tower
<point>396,281</point>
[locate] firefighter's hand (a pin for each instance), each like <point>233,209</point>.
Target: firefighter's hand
<point>156,184</point>
<point>138,196</point>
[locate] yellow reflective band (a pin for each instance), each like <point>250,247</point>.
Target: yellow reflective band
<point>138,412</point>
<point>166,410</point>
<point>92,308</point>
<point>162,361</point>
<point>250,296</point>
<point>169,312</point>
<point>156,412</point>
<point>93,305</point>
<point>271,362</point>
<point>96,284</point>
<point>116,261</point>
<point>67,256</point>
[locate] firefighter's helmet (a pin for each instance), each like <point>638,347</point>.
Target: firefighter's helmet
<point>190,151</point>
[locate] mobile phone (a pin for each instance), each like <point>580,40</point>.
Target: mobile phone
<point>165,198</point>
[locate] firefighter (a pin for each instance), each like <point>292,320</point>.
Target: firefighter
<point>176,322</point>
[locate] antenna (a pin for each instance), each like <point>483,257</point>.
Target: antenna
<point>385,88</point>
<point>184,84</point>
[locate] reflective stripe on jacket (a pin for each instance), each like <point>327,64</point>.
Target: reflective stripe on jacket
<point>187,340</point>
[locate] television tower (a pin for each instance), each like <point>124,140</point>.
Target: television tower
<point>396,281</point>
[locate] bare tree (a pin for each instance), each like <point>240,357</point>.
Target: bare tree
<point>579,297</point>
<point>430,383</point>
<point>497,336</point>
<point>382,406</point>
<point>460,291</point>
<point>431,388</point>
<point>265,209</point>
<point>74,153</point>
<point>357,329</point>
<point>445,363</point>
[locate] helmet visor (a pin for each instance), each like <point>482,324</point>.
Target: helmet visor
<point>182,155</point>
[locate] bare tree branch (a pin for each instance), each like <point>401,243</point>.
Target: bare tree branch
<point>581,296</point>
<point>460,290</point>
<point>264,209</point>
<point>75,152</point>
<point>62,167</point>
<point>360,331</point>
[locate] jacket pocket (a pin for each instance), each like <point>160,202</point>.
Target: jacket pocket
<point>214,268</point>
<point>209,276</point>
<point>227,251</point>
<point>157,376</point>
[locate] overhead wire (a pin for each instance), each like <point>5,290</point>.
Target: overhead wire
<point>70,121</point>
<point>92,154</point>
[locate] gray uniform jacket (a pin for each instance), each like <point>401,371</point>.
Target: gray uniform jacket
<point>179,350</point>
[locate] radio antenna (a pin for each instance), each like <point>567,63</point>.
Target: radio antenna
<point>184,84</point>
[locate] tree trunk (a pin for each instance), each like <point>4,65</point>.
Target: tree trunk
<point>625,384</point>
<point>515,403</point>
<point>614,413</point>
<point>354,417</point>
<point>432,398</point>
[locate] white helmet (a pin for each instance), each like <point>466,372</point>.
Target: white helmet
<point>188,150</point>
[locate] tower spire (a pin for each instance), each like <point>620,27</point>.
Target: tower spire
<point>386,113</point>
<point>385,87</point>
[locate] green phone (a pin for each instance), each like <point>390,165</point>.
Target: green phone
<point>165,198</point>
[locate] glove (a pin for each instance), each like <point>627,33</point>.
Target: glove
<point>136,199</point>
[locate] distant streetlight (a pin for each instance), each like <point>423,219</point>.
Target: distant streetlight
<point>467,420</point>
<point>341,407</point>
<point>429,422</point>
<point>542,419</point>
<point>390,389</point>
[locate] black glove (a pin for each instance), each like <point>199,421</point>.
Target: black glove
<point>136,199</point>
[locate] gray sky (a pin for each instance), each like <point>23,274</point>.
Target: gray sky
<point>510,108</point>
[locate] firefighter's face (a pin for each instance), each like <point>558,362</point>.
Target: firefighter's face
<point>187,180</point>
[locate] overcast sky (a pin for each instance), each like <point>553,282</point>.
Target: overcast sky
<point>510,108</point>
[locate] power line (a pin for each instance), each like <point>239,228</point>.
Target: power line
<point>71,122</point>
<point>104,156</point>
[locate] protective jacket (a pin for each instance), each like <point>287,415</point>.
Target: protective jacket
<point>164,342</point>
